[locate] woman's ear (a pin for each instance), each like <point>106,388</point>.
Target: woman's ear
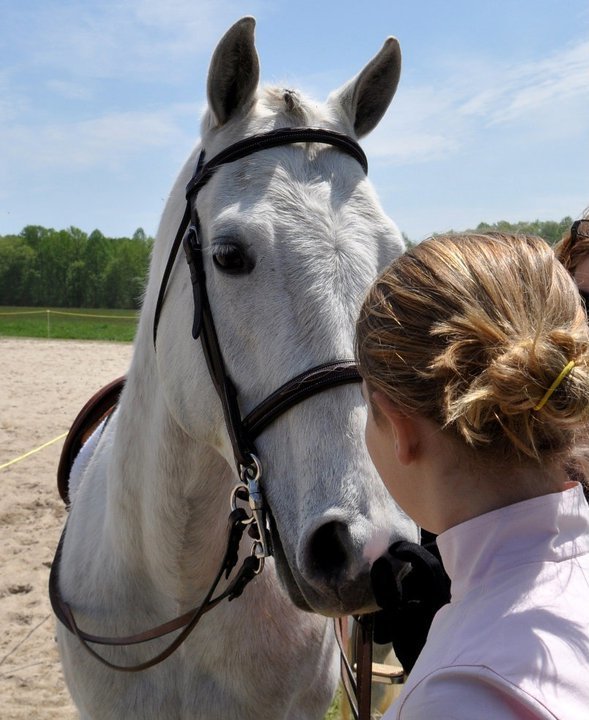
<point>403,427</point>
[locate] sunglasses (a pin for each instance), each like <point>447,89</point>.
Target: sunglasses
<point>584,232</point>
<point>580,229</point>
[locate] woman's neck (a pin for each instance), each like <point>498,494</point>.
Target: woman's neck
<point>460,484</point>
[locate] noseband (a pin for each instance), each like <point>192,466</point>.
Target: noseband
<point>242,431</point>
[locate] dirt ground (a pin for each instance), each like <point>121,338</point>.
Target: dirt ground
<point>43,385</point>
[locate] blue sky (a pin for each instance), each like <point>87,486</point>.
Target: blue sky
<point>100,103</point>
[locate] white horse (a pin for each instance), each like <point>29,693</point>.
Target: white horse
<point>292,237</point>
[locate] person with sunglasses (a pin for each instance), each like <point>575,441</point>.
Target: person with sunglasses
<point>474,352</point>
<point>573,252</point>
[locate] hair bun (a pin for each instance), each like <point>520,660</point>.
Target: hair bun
<point>504,397</point>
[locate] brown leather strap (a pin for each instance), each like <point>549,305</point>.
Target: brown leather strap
<point>347,676</point>
<point>357,681</point>
<point>309,383</point>
<point>186,622</point>
<point>364,628</point>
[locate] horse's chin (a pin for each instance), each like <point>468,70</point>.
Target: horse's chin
<point>351,598</point>
<point>286,577</point>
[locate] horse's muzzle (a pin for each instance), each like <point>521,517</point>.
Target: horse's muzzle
<point>331,578</point>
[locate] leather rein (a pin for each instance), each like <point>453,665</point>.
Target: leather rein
<point>242,431</point>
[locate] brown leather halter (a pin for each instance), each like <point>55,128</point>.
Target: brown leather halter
<point>242,431</point>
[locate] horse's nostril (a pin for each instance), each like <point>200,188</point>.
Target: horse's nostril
<point>328,553</point>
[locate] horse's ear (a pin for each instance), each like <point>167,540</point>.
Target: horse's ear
<point>366,97</point>
<point>234,71</point>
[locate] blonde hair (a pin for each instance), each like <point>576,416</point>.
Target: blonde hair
<point>471,331</point>
<point>570,251</point>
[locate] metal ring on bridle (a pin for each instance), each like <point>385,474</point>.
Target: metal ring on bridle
<point>235,497</point>
<point>251,472</point>
<point>257,551</point>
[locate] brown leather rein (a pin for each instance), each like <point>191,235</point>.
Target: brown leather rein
<point>242,431</point>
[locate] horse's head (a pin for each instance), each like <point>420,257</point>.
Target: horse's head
<point>292,237</point>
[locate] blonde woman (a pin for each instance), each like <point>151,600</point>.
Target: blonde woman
<point>475,356</point>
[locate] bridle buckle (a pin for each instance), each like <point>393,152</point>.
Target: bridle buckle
<point>251,476</point>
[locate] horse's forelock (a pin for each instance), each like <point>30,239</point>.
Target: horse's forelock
<point>291,105</point>
<point>276,107</point>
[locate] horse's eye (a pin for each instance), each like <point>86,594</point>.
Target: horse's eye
<point>232,259</point>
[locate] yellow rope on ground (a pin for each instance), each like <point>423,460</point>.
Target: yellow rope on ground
<point>62,312</point>
<point>32,452</point>
<point>103,317</point>
<point>24,312</point>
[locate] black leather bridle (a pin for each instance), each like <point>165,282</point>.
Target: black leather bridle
<point>242,431</point>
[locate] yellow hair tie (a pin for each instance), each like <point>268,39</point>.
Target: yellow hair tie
<point>548,394</point>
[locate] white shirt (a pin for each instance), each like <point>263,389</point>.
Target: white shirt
<point>513,643</point>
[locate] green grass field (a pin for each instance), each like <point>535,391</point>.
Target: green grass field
<point>68,323</point>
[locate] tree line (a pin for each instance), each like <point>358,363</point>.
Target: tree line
<point>42,267</point>
<point>550,230</point>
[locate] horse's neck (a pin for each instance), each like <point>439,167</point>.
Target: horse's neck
<point>167,493</point>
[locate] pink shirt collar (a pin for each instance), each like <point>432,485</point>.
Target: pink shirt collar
<point>548,528</point>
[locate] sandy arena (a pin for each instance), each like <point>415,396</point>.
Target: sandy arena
<point>43,385</point>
